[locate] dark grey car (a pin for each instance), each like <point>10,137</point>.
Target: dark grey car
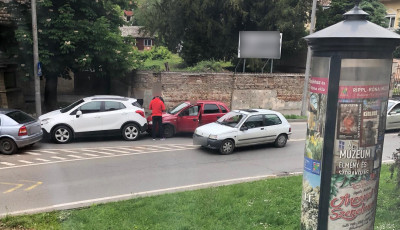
<point>17,129</point>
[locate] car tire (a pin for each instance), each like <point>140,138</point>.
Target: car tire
<point>8,146</point>
<point>168,131</point>
<point>227,147</point>
<point>281,141</point>
<point>130,132</point>
<point>62,134</point>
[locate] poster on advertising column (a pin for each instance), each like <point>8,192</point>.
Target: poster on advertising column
<point>318,92</point>
<point>360,128</point>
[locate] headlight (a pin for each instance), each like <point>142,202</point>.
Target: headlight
<point>45,121</point>
<point>150,122</point>
<point>213,137</point>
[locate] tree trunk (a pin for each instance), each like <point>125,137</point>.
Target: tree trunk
<point>50,93</point>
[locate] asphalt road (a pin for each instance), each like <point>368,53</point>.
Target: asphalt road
<point>51,176</point>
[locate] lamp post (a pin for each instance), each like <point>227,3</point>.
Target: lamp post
<point>36,60</point>
<point>349,87</point>
<point>304,100</point>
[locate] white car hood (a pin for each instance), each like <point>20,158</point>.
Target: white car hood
<point>214,129</point>
<point>50,114</point>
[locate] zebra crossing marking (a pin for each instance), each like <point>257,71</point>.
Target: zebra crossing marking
<point>59,158</point>
<point>25,162</point>
<point>40,159</point>
<point>33,153</point>
<point>7,163</point>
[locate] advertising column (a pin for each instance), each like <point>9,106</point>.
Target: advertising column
<point>318,93</point>
<point>360,129</point>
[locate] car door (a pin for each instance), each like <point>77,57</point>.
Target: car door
<point>393,118</point>
<point>114,115</point>
<point>188,119</point>
<point>272,126</point>
<point>90,119</point>
<point>252,131</point>
<point>210,113</point>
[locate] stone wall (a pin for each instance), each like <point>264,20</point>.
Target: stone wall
<point>281,92</point>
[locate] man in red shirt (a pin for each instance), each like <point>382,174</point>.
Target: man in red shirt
<point>157,107</point>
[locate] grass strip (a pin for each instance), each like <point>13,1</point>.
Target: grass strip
<point>266,204</point>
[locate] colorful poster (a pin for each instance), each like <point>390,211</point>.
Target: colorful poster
<point>314,143</point>
<point>357,154</point>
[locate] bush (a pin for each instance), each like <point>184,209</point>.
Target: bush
<point>207,66</point>
<point>160,53</point>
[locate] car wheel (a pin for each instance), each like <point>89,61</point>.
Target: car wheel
<point>8,146</point>
<point>227,147</point>
<point>62,134</point>
<point>281,141</point>
<point>130,132</point>
<point>168,131</point>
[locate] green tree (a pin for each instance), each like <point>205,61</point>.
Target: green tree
<point>209,29</point>
<point>337,8</point>
<point>76,35</point>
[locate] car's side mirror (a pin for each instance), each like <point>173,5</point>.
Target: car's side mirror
<point>78,114</point>
<point>244,128</point>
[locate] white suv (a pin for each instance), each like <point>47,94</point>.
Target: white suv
<point>96,116</point>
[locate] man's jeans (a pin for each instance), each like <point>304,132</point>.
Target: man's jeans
<point>157,123</point>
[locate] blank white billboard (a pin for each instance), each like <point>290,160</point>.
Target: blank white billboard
<point>260,44</point>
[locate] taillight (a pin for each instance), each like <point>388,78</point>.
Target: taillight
<point>290,129</point>
<point>22,131</point>
<point>140,112</point>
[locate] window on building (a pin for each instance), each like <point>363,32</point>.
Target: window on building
<point>391,19</point>
<point>147,42</point>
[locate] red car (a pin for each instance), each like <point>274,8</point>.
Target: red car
<point>187,116</point>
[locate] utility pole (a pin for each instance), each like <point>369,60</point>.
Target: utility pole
<point>308,63</point>
<point>38,102</point>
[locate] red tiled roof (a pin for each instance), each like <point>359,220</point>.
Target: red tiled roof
<point>128,13</point>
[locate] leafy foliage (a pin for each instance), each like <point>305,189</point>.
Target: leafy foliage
<point>334,13</point>
<point>79,36</point>
<point>206,30</point>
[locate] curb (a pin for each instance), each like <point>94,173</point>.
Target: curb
<point>296,120</point>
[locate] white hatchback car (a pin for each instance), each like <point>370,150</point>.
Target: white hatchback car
<point>96,116</point>
<point>242,128</point>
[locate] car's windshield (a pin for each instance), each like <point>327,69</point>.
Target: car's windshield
<point>68,108</point>
<point>231,119</point>
<point>20,117</point>
<point>390,104</point>
<point>178,108</point>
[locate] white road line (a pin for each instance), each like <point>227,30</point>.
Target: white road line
<point>33,153</point>
<point>25,162</point>
<point>117,151</point>
<point>74,156</point>
<point>40,159</point>
<point>105,153</point>
<point>7,163</point>
<point>109,155</point>
<point>91,155</point>
<point>45,151</point>
<point>297,139</point>
<point>128,149</point>
<point>68,151</point>
<point>89,150</point>
<point>59,158</point>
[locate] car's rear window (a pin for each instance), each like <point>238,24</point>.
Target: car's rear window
<point>20,117</point>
